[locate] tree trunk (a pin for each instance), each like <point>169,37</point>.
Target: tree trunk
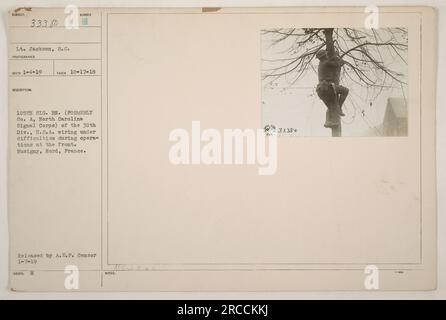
<point>334,108</point>
<point>333,118</point>
<point>336,131</point>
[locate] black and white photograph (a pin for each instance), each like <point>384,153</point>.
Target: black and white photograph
<point>340,82</point>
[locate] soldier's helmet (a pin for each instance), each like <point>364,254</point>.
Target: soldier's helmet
<point>321,53</point>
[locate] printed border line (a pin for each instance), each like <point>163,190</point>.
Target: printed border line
<point>170,264</point>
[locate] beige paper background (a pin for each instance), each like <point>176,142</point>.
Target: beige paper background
<point>159,214</point>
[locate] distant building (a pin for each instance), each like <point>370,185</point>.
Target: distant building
<point>395,118</point>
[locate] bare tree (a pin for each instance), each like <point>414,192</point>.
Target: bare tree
<point>368,54</point>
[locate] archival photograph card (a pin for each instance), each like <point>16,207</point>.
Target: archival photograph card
<point>222,149</point>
